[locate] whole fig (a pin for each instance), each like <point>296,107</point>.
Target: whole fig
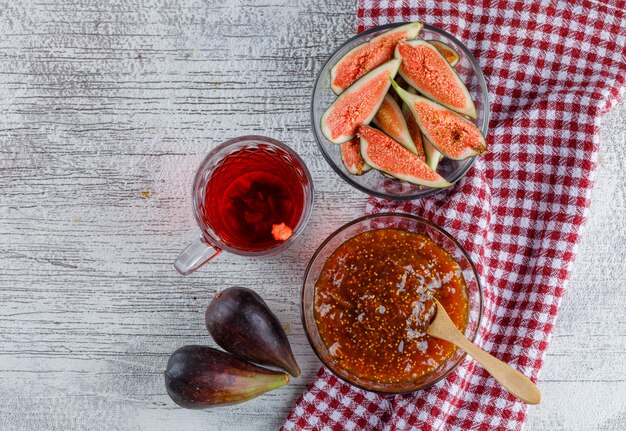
<point>241,323</point>
<point>200,376</point>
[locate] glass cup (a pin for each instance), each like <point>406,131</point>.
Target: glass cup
<point>214,205</point>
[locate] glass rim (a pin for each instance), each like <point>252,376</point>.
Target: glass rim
<point>482,82</point>
<point>385,215</point>
<point>197,187</point>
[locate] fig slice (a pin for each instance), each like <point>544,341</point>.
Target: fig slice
<point>241,323</point>
<point>200,376</point>
<point>426,70</point>
<point>451,134</point>
<point>358,105</point>
<point>431,155</point>
<point>352,159</point>
<point>386,155</point>
<point>450,54</point>
<point>390,120</point>
<point>369,55</point>
<point>402,83</point>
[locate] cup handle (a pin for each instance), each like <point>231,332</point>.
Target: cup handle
<point>195,255</point>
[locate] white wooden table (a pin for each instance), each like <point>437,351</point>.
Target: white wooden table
<point>107,107</point>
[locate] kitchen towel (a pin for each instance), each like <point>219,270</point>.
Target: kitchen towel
<point>553,68</point>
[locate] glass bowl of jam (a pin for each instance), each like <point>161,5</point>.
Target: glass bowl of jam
<point>367,300</point>
<point>373,182</point>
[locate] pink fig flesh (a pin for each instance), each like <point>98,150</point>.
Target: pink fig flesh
<point>358,104</point>
<point>391,120</point>
<point>454,136</point>
<point>383,153</point>
<point>369,55</point>
<point>352,159</point>
<point>451,56</point>
<point>426,70</point>
<point>414,131</point>
<point>431,155</point>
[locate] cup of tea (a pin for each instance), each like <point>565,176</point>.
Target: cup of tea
<point>252,196</point>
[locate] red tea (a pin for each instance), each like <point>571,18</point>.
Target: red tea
<point>255,198</point>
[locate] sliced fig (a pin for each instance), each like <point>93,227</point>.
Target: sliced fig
<point>390,120</point>
<point>425,69</point>
<point>241,323</point>
<point>352,159</point>
<point>450,54</point>
<point>402,83</point>
<point>369,55</point>
<point>200,376</point>
<point>431,155</point>
<point>358,104</point>
<point>454,136</point>
<point>414,131</point>
<point>383,153</point>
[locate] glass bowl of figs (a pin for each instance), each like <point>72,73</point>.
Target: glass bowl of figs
<point>401,111</point>
<point>367,301</point>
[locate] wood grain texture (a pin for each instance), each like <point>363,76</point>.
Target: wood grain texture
<point>107,108</point>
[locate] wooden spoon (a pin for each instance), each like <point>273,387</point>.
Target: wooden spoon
<point>512,380</point>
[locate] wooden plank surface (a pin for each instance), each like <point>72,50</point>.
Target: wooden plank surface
<point>107,108</point>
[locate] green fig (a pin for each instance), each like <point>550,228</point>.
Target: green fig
<point>200,376</point>
<point>241,323</point>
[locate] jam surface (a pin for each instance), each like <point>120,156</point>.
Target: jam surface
<point>373,303</point>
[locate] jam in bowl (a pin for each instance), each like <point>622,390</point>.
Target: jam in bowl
<point>368,297</point>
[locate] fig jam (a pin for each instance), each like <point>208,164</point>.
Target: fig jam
<point>374,301</point>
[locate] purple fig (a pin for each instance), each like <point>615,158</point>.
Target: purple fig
<point>200,376</point>
<point>241,323</point>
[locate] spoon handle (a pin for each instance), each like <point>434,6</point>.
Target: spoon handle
<point>514,381</point>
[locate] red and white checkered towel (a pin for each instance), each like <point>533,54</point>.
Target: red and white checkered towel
<point>553,68</point>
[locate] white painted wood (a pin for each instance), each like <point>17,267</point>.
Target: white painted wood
<point>107,107</point>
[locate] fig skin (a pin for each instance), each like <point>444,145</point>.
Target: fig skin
<point>352,159</point>
<point>441,140</point>
<point>427,70</point>
<point>241,323</point>
<point>200,376</point>
<point>388,156</point>
<point>369,55</point>
<point>358,104</point>
<point>446,51</point>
